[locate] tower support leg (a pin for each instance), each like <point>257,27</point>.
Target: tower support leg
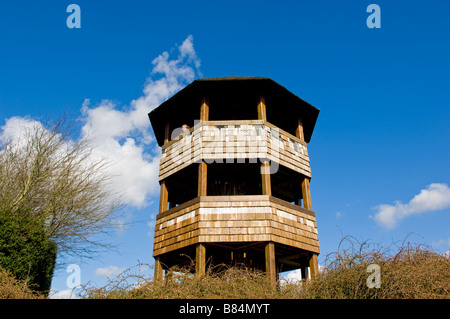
<point>314,266</point>
<point>271,271</point>
<point>200,260</point>
<point>158,276</point>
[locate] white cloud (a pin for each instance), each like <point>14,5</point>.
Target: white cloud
<point>293,276</point>
<point>436,196</point>
<point>16,129</point>
<point>109,271</point>
<point>63,294</point>
<point>124,137</point>
<point>441,243</point>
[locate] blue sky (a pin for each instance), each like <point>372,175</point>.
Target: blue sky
<point>382,136</point>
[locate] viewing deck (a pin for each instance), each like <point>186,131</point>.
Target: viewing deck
<point>228,219</point>
<point>234,142</point>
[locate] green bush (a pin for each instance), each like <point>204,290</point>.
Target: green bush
<point>25,250</point>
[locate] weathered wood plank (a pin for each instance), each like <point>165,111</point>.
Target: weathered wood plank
<point>306,194</point>
<point>163,197</point>
<point>224,143</point>
<point>202,178</point>
<point>234,219</point>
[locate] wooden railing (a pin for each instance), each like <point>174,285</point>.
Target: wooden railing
<point>230,141</point>
<point>235,219</point>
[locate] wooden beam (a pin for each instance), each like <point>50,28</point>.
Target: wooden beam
<point>304,272</point>
<point>299,133</point>
<point>202,178</point>
<point>265,167</point>
<point>291,206</point>
<point>271,271</point>
<point>204,109</point>
<point>306,193</point>
<point>262,115</point>
<point>200,260</point>
<point>158,276</point>
<point>163,197</point>
<point>173,210</point>
<point>314,266</point>
<point>167,133</point>
<point>265,179</point>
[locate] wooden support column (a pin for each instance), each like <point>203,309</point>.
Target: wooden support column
<point>202,179</point>
<point>271,270</point>
<point>265,166</point>
<point>202,167</point>
<point>262,115</point>
<point>299,130</point>
<point>204,109</point>
<point>314,266</point>
<point>304,272</point>
<point>265,179</point>
<point>200,260</point>
<point>163,201</point>
<point>158,276</point>
<point>167,133</point>
<point>163,197</point>
<point>306,193</point>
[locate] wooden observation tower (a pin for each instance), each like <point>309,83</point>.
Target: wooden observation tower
<point>234,176</point>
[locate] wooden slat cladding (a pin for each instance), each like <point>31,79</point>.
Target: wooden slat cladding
<point>233,140</point>
<point>235,219</point>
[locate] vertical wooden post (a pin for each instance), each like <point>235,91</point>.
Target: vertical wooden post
<point>314,266</point>
<point>265,176</point>
<point>262,115</point>
<point>304,272</point>
<point>200,260</point>
<point>204,109</point>
<point>265,166</point>
<point>299,130</point>
<point>306,193</point>
<point>202,179</point>
<point>166,133</point>
<point>158,276</point>
<point>271,271</point>
<point>163,197</point>
<point>202,167</point>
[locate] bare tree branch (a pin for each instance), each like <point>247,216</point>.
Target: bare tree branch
<point>56,178</point>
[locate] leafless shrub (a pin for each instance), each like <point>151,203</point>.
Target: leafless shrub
<point>11,288</point>
<point>407,271</point>
<point>46,172</point>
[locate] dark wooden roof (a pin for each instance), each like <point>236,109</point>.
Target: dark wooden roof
<point>234,98</point>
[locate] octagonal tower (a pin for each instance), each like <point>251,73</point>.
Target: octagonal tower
<point>234,176</point>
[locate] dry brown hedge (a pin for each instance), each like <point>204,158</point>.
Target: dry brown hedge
<point>408,271</point>
<point>12,288</point>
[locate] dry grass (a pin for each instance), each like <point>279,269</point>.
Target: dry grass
<point>407,271</point>
<point>11,288</point>
<point>229,283</point>
<point>411,271</point>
